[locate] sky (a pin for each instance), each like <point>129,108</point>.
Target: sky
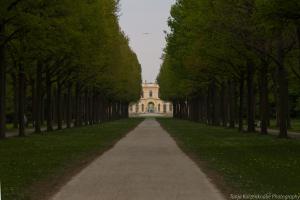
<point>144,22</point>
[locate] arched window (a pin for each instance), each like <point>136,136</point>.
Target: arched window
<point>158,107</point>
<point>143,107</point>
<point>130,108</point>
<point>165,108</point>
<point>171,107</point>
<point>150,94</point>
<point>142,94</point>
<point>137,108</point>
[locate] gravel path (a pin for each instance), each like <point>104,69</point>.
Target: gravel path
<point>145,165</point>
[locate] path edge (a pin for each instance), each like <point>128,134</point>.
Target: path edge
<point>214,177</point>
<point>46,189</point>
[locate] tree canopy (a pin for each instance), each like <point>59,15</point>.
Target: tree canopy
<point>64,49</point>
<point>215,47</point>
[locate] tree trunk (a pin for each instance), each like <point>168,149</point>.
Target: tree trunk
<point>264,103</point>
<point>223,104</point>
<point>86,107</point>
<point>49,100</point>
<point>174,110</point>
<point>89,107</point>
<point>39,98</point>
<point>33,102</point>
<point>196,108</point>
<point>53,105</point>
<point>213,103</point>
<point>288,122</point>
<point>241,104</point>
<point>250,97</point>
<point>94,118</point>
<point>282,89</point>
<point>231,104</point>
<point>98,112</point>
<point>68,106</point>
<point>80,109</point>
<point>236,102</point>
<point>21,101</point>
<point>77,105</point>
<point>43,110</point>
<point>208,106</point>
<point>15,91</point>
<point>58,105</point>
<point>298,37</point>
<point>2,85</point>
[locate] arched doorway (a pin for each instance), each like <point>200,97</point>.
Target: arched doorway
<point>151,107</point>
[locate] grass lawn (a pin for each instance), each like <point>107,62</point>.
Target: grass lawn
<point>37,160</point>
<point>247,163</point>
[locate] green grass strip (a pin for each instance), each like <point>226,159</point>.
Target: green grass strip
<point>249,163</point>
<point>26,162</point>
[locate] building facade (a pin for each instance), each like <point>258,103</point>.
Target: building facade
<point>150,103</point>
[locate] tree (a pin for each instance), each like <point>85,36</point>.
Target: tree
<point>214,48</point>
<point>75,58</point>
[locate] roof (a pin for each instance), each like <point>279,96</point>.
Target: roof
<point>152,85</point>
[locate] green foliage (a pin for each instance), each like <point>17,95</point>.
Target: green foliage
<point>78,41</point>
<point>214,40</point>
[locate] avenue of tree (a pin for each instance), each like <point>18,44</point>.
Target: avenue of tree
<point>64,62</point>
<point>231,60</point>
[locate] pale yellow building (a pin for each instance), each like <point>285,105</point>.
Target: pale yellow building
<point>150,103</point>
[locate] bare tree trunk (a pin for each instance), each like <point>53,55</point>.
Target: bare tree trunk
<point>289,122</point>
<point>196,109</point>
<point>208,106</point>
<point>236,102</point>
<point>53,106</point>
<point>86,107</point>
<point>250,96</point>
<point>2,85</point>
<point>213,103</point>
<point>43,110</point>
<point>77,96</point>
<point>91,107</point>
<point>33,102</point>
<point>58,105</point>
<point>231,104</point>
<point>49,101</point>
<point>223,105</point>
<point>15,90</point>
<point>94,107</point>
<point>264,103</point>
<point>68,106</point>
<point>99,111</point>
<point>282,89</point>
<point>241,103</point>
<point>21,100</point>
<point>39,98</point>
<point>80,114</point>
<point>298,37</point>
<point>174,109</point>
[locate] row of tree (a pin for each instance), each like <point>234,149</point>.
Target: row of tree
<point>231,60</point>
<point>64,62</point>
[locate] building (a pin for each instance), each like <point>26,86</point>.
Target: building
<point>150,103</point>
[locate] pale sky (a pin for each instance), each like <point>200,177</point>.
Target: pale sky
<point>144,22</point>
